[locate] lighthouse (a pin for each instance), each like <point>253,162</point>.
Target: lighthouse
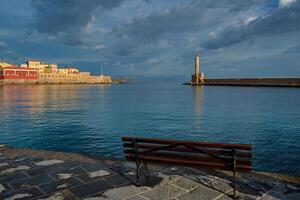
<point>197,77</point>
<point>197,66</point>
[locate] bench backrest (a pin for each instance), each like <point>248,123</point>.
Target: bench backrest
<point>189,153</point>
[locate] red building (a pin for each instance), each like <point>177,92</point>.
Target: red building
<point>14,72</point>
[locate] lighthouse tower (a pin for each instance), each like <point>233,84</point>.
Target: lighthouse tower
<point>197,68</point>
<point>197,77</point>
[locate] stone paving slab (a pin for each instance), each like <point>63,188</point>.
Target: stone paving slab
<point>91,167</point>
<point>200,192</point>
<point>93,176</point>
<point>21,160</point>
<point>96,198</point>
<point>273,196</point>
<point>52,169</point>
<point>4,165</point>
<point>55,178</point>
<point>12,176</point>
<point>32,181</point>
<point>61,195</point>
<point>185,183</point>
<point>91,188</point>
<point>27,193</point>
<point>51,187</point>
<point>5,188</point>
<point>124,192</point>
<point>254,188</point>
<point>166,191</point>
<point>221,186</point>
<point>14,169</point>
<point>137,197</point>
<point>118,180</point>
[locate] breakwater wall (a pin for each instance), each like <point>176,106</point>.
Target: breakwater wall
<point>278,82</point>
<point>45,78</point>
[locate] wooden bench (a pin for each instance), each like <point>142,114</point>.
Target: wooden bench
<point>232,157</point>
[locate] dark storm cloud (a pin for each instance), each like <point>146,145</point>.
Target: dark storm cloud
<point>163,29</point>
<point>177,24</point>
<point>152,37</point>
<point>183,18</point>
<point>294,50</point>
<point>67,19</point>
<point>14,14</point>
<point>238,5</point>
<point>279,21</point>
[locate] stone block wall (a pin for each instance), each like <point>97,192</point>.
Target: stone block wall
<point>52,78</point>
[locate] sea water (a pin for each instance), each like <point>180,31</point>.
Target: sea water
<point>91,119</point>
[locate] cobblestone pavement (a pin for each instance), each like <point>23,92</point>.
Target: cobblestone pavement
<point>32,177</point>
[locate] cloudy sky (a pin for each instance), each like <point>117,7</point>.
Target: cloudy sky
<point>155,38</point>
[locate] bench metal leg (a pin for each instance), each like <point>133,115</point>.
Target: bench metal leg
<point>137,161</point>
<point>138,172</point>
<point>141,167</point>
<point>147,174</point>
<point>234,186</point>
<point>234,174</point>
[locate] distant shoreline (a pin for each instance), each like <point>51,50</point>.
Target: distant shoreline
<point>116,81</point>
<point>57,83</point>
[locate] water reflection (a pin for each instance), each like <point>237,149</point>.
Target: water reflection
<point>41,98</point>
<point>197,98</point>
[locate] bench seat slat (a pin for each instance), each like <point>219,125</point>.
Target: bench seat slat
<point>198,157</point>
<point>200,144</point>
<point>188,153</point>
<point>191,163</point>
<point>221,152</point>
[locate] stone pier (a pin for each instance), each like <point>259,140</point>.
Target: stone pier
<point>32,174</point>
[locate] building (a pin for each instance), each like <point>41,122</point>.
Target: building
<point>197,77</point>
<point>68,70</point>
<point>63,71</point>
<point>53,68</point>
<point>42,67</point>
<point>36,64</point>
<point>13,74</point>
<point>35,71</point>
<point>4,64</point>
<point>85,73</point>
<point>24,65</point>
<point>72,70</point>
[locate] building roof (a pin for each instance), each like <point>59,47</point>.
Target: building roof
<point>33,60</point>
<point>20,68</point>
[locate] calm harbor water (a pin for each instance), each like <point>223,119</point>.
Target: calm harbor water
<point>90,119</point>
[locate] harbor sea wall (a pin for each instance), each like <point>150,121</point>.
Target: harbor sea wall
<point>51,78</point>
<point>73,78</point>
<point>283,82</point>
<point>17,81</point>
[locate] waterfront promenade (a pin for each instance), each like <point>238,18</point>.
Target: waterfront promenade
<point>31,174</point>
